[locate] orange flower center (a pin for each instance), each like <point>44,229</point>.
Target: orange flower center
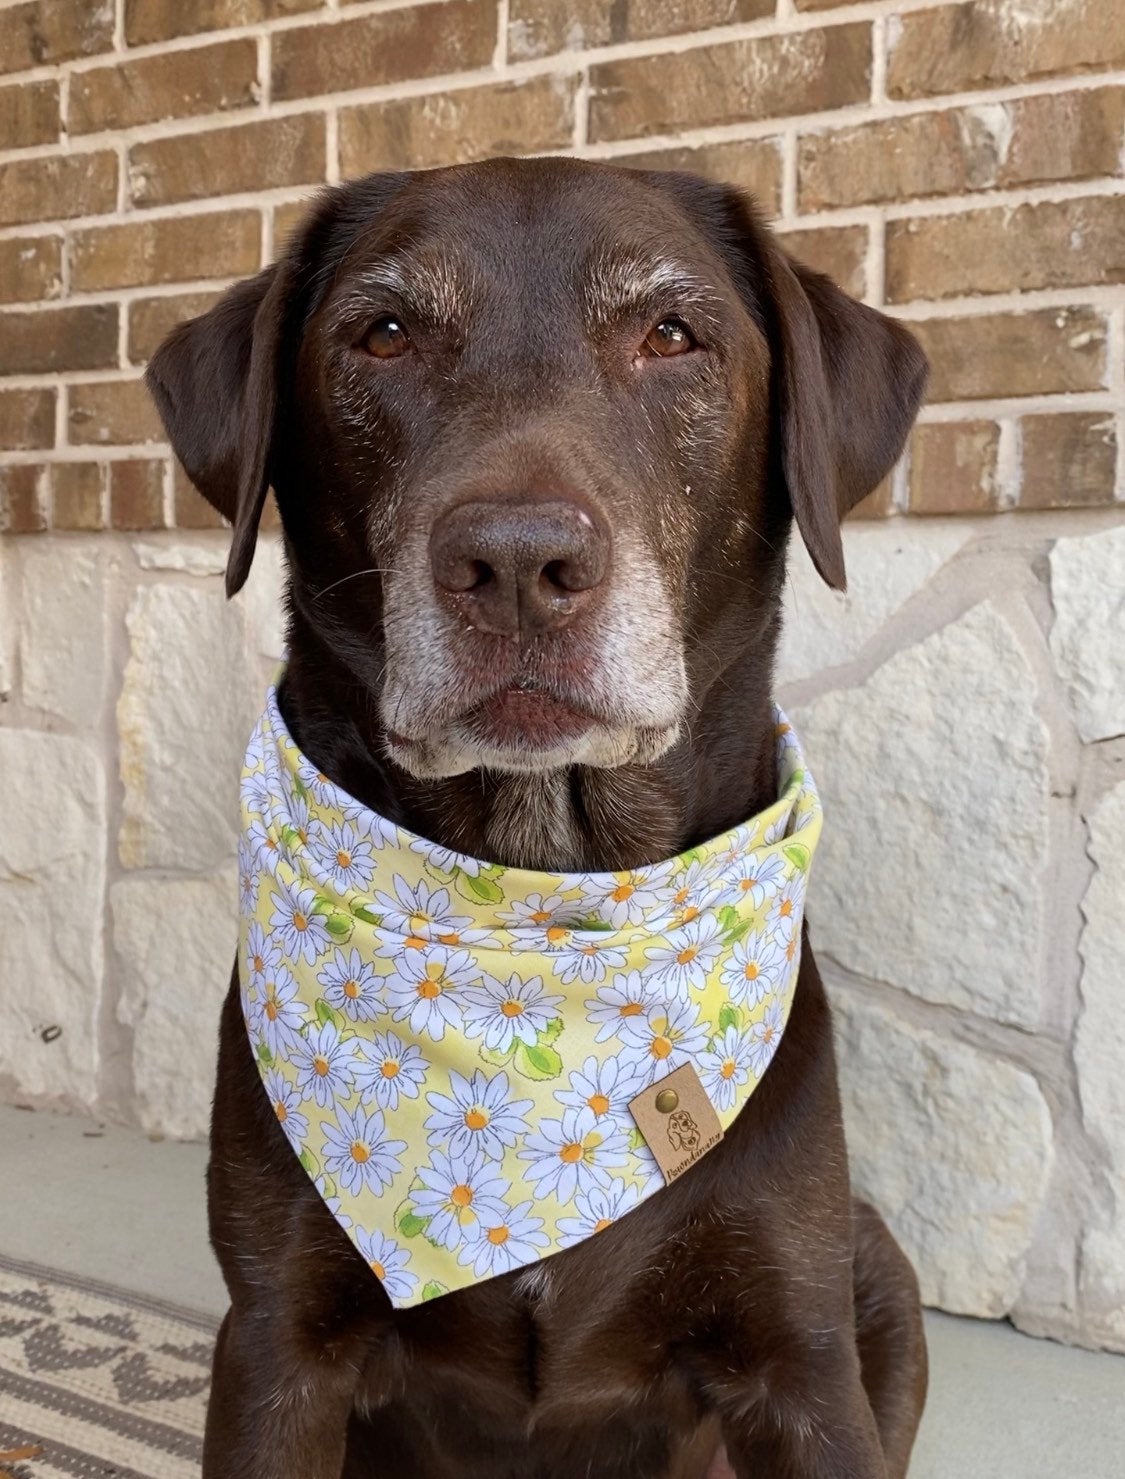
<point>344,858</point>
<point>476,1119</point>
<point>320,1066</point>
<point>428,989</point>
<point>727,1070</point>
<point>602,1223</point>
<point>623,892</point>
<point>461,1196</point>
<point>414,942</point>
<point>785,908</point>
<point>571,1153</point>
<point>389,1068</point>
<point>498,1236</point>
<point>351,990</point>
<point>511,1008</point>
<point>377,1269</point>
<point>300,922</point>
<point>631,1009</point>
<point>281,1111</point>
<point>751,971</point>
<point>687,955</point>
<point>360,1152</point>
<point>540,916</point>
<point>271,1008</point>
<point>556,933</point>
<point>661,1047</point>
<point>258,963</point>
<point>598,1103</point>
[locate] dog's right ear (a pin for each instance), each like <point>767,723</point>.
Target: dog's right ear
<point>214,380</point>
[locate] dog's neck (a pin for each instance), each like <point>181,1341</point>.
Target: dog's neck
<point>721,771</point>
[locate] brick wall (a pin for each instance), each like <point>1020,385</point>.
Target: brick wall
<point>959,163</point>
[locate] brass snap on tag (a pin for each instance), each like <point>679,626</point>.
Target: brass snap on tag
<point>667,1100</point>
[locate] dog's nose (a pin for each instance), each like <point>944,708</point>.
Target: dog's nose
<point>517,569</point>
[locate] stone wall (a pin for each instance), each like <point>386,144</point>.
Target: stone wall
<point>964,708</point>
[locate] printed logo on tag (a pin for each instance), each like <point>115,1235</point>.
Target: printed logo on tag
<point>678,1121</point>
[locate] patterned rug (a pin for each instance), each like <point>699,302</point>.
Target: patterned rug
<point>94,1382</point>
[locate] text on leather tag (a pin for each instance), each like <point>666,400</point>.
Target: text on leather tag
<point>678,1121</point>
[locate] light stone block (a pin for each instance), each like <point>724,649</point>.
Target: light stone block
<point>63,629</point>
<point>1088,635</point>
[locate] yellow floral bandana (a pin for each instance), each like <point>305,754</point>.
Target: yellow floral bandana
<point>451,1046</point>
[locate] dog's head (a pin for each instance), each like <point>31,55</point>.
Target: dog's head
<point>537,431</point>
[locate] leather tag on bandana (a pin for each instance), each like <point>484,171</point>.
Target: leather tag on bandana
<point>678,1121</point>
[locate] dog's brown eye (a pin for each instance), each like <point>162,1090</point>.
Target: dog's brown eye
<point>386,338</point>
<point>670,336</point>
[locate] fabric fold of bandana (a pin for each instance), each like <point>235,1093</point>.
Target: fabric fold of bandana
<point>451,1046</point>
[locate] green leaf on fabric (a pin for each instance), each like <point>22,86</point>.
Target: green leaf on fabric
<point>636,1139</point>
<point>484,889</point>
<point>339,926</point>
<point>433,1289</point>
<point>301,789</point>
<point>326,1014</point>
<point>729,1016</point>
<point>497,1058</point>
<point>361,911</point>
<point>550,1032</point>
<point>322,905</point>
<point>309,1162</point>
<point>264,1055</point>
<point>798,855</point>
<point>409,1223</point>
<point>728,918</point>
<point>536,1062</point>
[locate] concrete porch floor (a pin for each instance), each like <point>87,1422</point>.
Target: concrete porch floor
<point>1001,1406</point>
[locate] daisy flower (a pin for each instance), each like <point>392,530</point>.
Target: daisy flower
<point>286,1104</point>
<point>343,855</point>
<point>477,1117</point>
<point>756,877</point>
<point>302,934</point>
<point>445,860</point>
<point>785,911</point>
<point>388,1261</point>
<point>247,878</point>
<point>373,828</point>
<point>262,954</point>
<point>503,1012</point>
<point>535,912</point>
<point>389,1070</point>
<point>352,987</point>
<point>422,912</point>
<point>689,892</point>
<point>315,782</point>
<point>325,1065</point>
<point>585,956</point>
<point>332,1203</point>
<point>753,968</point>
<point>725,1066</point>
<point>605,1087</point>
<point>620,898</point>
<point>666,1036</point>
<point>764,1037</point>
<point>684,958</point>
<point>613,1004</point>
<point>357,1152</point>
<point>456,1194</point>
<point>279,1015</point>
<point>426,988</point>
<point>598,1209</point>
<point>294,813</point>
<point>495,1247</point>
<point>255,794</point>
<point>263,845</point>
<point>573,1154</point>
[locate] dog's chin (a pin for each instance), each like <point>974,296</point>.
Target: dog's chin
<point>460,747</point>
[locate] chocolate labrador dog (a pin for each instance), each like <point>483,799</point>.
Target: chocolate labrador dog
<point>537,432</point>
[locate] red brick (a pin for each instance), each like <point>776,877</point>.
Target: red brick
<point>30,268</point>
<point>953,468</point>
<point>1052,350</point>
<point>177,84</point>
<point>157,20</point>
<point>1048,244</point>
<point>763,77</point>
<point>225,244</point>
<point>57,186</point>
<point>456,127</point>
<point>29,114</point>
<point>989,43</point>
<point>879,503</point>
<point>151,320</point>
<point>27,419</point>
<point>390,46</point>
<point>541,27</point>
<point>77,500</point>
<point>136,495</point>
<point>839,251</point>
<point>81,337</point>
<point>23,499</point>
<point>1068,460</point>
<point>117,412</point>
<point>751,164</point>
<point>44,32</point>
<point>227,161</point>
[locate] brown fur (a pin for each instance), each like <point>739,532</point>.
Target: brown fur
<point>749,1319</point>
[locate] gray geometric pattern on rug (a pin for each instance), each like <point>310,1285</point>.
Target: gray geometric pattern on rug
<point>96,1383</point>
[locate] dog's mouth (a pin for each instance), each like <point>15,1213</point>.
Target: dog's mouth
<point>527,718</point>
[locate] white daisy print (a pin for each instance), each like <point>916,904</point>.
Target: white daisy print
<point>263,845</point>
<point>573,1154</point>
<point>388,1261</point>
<point>668,1035</point>
<point>357,1152</point>
<point>247,879</point>
<point>605,1087</point>
<point>598,1208</point>
<point>688,893</point>
<point>753,969</point>
<point>425,991</point>
<point>295,814</point>
<point>343,855</point>
<point>764,1037</point>
<point>315,782</point>
<point>255,793</point>
<point>477,1118</point>
<point>352,987</point>
<point>390,1070</point>
<point>586,956</point>
<point>286,1103</point>
<point>503,1012</point>
<point>756,877</point>
<point>496,1247</point>
<point>421,912</point>
<point>621,898</point>
<point>300,931</point>
<point>455,1195</point>
<point>616,1002</point>
<point>325,1065</point>
<point>785,911</point>
<point>262,954</point>
<point>725,1066</point>
<point>445,860</point>
<point>278,1014</point>
<point>536,913</point>
<point>684,958</point>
